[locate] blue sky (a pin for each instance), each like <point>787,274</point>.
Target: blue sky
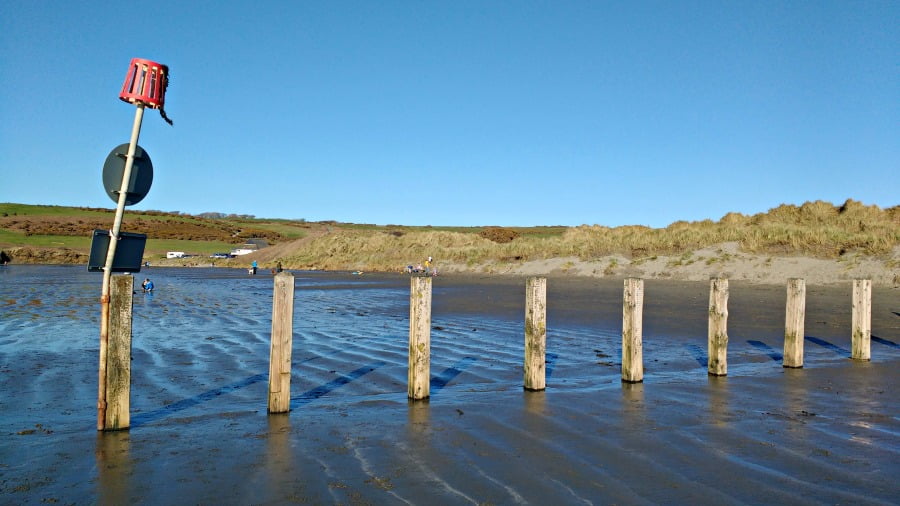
<point>460,113</point>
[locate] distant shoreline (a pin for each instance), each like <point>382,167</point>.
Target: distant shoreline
<point>718,261</point>
<point>724,260</point>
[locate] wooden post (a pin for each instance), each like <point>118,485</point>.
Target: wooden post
<point>282,343</point>
<point>118,356</point>
<point>419,374</point>
<point>794,317</point>
<point>718,327</point>
<point>632,331</point>
<point>102,382</point>
<point>535,333</point>
<point>862,320</point>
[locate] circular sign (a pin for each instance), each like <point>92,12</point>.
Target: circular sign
<point>141,174</point>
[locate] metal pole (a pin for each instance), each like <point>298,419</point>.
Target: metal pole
<point>107,268</point>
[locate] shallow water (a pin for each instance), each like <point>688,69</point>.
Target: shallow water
<point>199,380</point>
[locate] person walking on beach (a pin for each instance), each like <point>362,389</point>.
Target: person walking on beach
<point>147,286</point>
<point>428,267</point>
<point>253,267</point>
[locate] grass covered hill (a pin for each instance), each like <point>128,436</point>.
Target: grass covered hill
<point>821,230</point>
<point>45,234</point>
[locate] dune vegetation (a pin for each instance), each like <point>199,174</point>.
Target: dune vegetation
<point>814,229</point>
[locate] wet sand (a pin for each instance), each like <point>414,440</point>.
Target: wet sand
<point>827,433</point>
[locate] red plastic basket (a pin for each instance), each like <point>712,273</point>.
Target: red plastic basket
<point>145,83</point>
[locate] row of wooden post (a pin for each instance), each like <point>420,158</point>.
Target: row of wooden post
<point>717,362</point>
<point>632,330</point>
<point>118,378</point>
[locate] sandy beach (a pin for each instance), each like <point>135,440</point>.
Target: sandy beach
<point>725,260</point>
<point>825,434</point>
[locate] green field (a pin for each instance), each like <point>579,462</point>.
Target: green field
<point>11,238</point>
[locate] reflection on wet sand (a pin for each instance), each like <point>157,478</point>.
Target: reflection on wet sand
<point>279,456</point>
<point>114,467</point>
<point>535,402</point>
<point>718,400</point>
<point>418,423</point>
<point>633,403</point>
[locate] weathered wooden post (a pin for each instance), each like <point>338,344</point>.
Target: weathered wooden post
<point>535,333</point>
<point>794,317</point>
<point>862,320</point>
<point>282,343</point>
<point>419,374</point>
<point>718,327</point>
<point>118,355</point>
<point>632,331</point>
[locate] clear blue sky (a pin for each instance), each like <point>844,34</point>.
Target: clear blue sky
<point>460,113</point>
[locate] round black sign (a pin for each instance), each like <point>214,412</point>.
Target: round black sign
<point>141,174</point>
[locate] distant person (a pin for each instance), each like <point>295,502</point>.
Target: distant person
<point>278,267</point>
<point>428,267</point>
<point>253,267</point>
<point>147,286</point>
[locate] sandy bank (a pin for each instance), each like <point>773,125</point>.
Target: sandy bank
<point>722,260</point>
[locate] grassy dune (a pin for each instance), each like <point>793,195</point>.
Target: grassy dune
<point>818,230</point>
<point>814,229</point>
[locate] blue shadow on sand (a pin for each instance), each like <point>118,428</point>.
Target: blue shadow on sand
<point>825,344</point>
<point>550,361</point>
<point>441,380</point>
<point>321,390</point>
<point>169,409</point>
<point>771,352</point>
<point>699,354</point>
<point>885,342</point>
